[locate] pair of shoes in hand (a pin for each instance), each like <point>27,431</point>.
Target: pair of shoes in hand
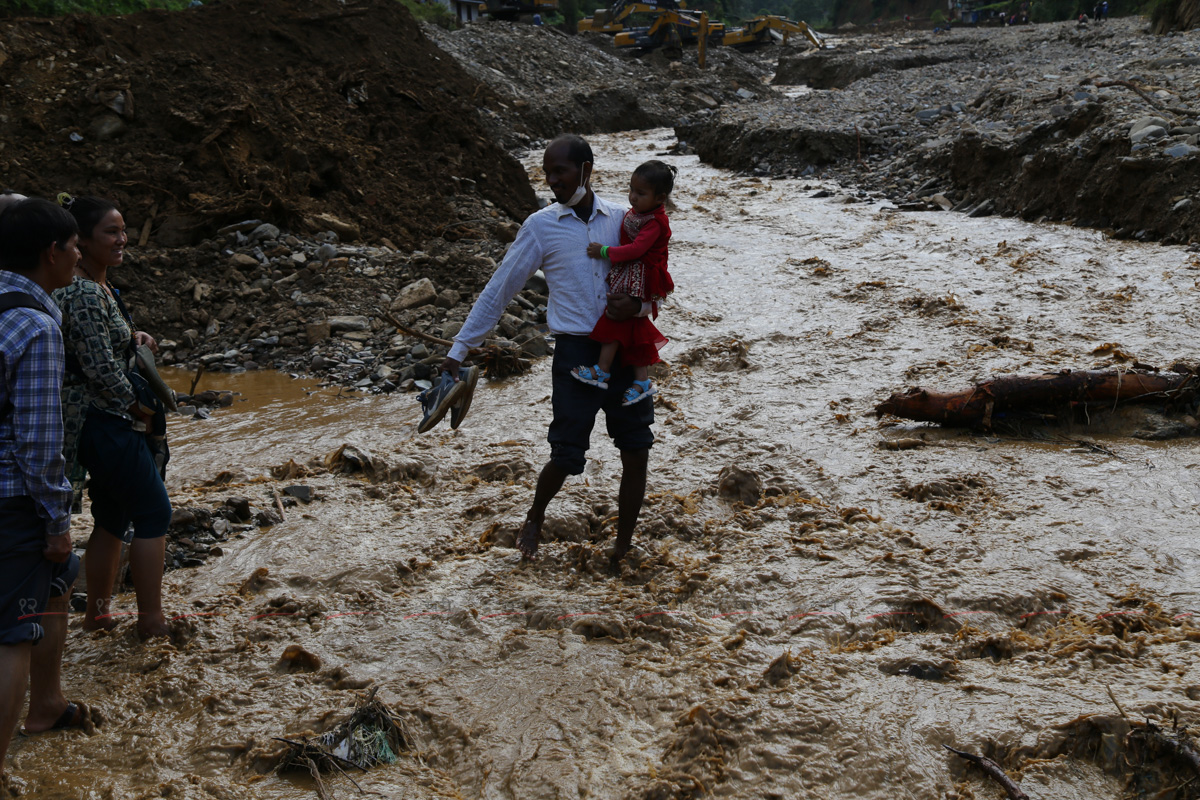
<point>448,395</point>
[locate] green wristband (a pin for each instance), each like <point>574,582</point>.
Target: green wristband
<point>604,251</point>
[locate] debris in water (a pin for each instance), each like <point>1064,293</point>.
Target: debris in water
<point>373,735</point>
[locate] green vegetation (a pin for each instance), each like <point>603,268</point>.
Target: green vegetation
<point>937,17</point>
<point>432,11</point>
<point>57,8</point>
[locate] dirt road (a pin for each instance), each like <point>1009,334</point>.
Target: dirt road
<point>806,614</point>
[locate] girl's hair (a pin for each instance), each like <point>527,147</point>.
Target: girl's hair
<point>659,174</point>
<point>87,211</point>
<point>27,228</point>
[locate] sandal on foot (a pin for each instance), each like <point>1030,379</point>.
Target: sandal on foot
<point>592,376</point>
<point>74,716</point>
<point>639,391</point>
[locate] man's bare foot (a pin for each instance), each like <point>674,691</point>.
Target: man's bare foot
<point>527,540</point>
<point>150,627</point>
<point>618,554</point>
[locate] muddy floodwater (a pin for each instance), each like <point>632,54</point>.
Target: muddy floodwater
<point>806,613</point>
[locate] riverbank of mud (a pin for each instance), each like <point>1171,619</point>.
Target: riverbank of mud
<point>806,613</point>
<point>1040,122</point>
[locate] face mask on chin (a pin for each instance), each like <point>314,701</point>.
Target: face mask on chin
<point>580,191</point>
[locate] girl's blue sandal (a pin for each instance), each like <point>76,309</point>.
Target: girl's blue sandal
<point>639,391</point>
<point>593,376</point>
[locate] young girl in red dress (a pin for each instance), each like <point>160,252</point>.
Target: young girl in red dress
<point>639,268</point>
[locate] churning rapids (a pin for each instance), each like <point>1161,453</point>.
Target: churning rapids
<point>806,613</point>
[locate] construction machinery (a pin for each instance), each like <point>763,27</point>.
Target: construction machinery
<point>613,19</point>
<point>512,9</point>
<point>761,30</point>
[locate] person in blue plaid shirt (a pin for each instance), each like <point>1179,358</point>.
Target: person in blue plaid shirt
<point>38,251</point>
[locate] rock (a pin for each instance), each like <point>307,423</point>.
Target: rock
<point>243,260</point>
<point>326,252</point>
<point>348,323</point>
<point>419,351</point>
<point>746,94</point>
<point>317,332</point>
<point>417,293</point>
<point>264,232</point>
<point>705,99</point>
<point>240,227</point>
<point>508,325</point>
<point>296,659</point>
<point>536,347</point>
<point>928,114</point>
<point>1180,150</point>
<point>302,493</point>
<point>240,506</point>
<point>1182,204</point>
<point>328,222</point>
<point>942,201</point>
<point>1147,133</point>
<point>181,517</point>
<point>448,298</point>
<point>106,127</point>
<point>537,283</point>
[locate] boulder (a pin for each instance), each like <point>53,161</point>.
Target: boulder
<point>417,293</point>
<point>348,323</point>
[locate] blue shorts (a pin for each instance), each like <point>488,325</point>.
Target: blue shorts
<point>27,579</point>
<point>576,405</point>
<point>124,483</point>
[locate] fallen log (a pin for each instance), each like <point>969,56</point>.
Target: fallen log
<point>994,771</point>
<point>978,406</point>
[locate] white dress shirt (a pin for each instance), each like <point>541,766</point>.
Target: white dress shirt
<point>554,240</point>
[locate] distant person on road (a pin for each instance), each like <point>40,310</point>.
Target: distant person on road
<point>537,19</point>
<point>106,425</point>
<point>555,240</point>
<point>639,268</point>
<point>37,566</point>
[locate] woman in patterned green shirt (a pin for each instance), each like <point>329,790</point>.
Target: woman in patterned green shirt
<point>105,427</point>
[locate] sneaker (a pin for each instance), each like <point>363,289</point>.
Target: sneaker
<point>437,400</point>
<point>638,392</point>
<point>467,376</point>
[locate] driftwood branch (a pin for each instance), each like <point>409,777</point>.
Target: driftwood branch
<point>416,334</point>
<point>994,771</point>
<point>978,406</point>
<point>1150,99</point>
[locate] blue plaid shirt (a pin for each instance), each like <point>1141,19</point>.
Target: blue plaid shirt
<point>31,433</point>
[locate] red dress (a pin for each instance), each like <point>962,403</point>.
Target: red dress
<point>639,268</point>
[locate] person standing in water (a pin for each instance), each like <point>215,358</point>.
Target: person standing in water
<point>555,240</point>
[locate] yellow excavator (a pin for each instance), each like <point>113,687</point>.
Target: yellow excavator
<point>761,30</point>
<point>613,18</point>
<point>672,28</point>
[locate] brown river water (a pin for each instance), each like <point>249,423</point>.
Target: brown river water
<point>805,615</point>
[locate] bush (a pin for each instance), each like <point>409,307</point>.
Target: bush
<point>937,17</point>
<point>57,8</point>
<point>431,11</point>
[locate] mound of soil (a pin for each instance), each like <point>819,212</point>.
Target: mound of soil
<point>317,115</point>
<point>546,83</point>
